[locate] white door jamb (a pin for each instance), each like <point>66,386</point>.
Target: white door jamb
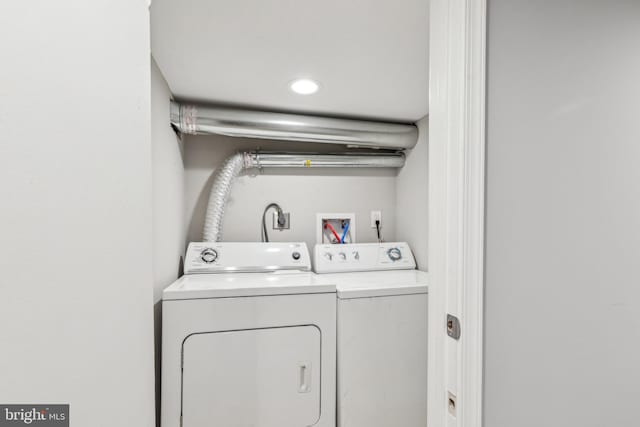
<point>456,209</point>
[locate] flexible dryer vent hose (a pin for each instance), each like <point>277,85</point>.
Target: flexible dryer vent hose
<point>220,194</point>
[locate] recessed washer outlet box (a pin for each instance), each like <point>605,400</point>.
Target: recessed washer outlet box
<point>344,224</point>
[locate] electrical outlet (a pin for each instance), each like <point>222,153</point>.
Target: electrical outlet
<point>286,224</point>
<point>375,216</point>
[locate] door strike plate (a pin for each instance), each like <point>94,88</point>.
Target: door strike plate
<point>453,327</point>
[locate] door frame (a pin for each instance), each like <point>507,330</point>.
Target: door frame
<point>456,208</point>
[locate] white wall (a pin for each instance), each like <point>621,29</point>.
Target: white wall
<point>168,188</point>
<point>75,216</point>
<point>563,214</point>
<point>412,197</point>
<point>303,192</point>
<point>168,202</point>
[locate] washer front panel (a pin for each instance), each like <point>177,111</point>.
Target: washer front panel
<point>382,361</point>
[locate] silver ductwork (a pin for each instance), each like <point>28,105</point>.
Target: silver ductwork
<point>211,120</point>
<point>309,160</point>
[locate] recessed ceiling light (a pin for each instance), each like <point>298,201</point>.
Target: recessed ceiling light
<point>304,86</point>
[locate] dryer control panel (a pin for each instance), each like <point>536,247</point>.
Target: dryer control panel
<point>245,257</point>
<point>342,258</point>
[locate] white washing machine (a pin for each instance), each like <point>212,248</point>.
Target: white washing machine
<point>382,333</point>
<point>248,339</point>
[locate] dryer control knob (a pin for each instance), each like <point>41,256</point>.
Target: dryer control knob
<point>328,256</point>
<point>208,255</point>
<point>342,256</point>
<point>394,254</point>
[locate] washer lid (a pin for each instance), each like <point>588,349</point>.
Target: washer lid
<point>377,284</point>
<point>196,286</point>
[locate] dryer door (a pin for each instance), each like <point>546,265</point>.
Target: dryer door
<point>258,377</point>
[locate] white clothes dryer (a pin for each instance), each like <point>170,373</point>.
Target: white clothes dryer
<point>248,339</point>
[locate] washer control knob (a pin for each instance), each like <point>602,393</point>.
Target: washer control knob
<point>342,256</point>
<point>356,255</point>
<point>328,256</point>
<point>296,255</point>
<point>394,254</point>
<point>209,255</point>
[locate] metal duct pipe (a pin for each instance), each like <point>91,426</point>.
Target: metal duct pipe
<point>302,160</point>
<point>206,120</point>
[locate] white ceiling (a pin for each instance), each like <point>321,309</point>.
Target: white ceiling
<point>369,56</point>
